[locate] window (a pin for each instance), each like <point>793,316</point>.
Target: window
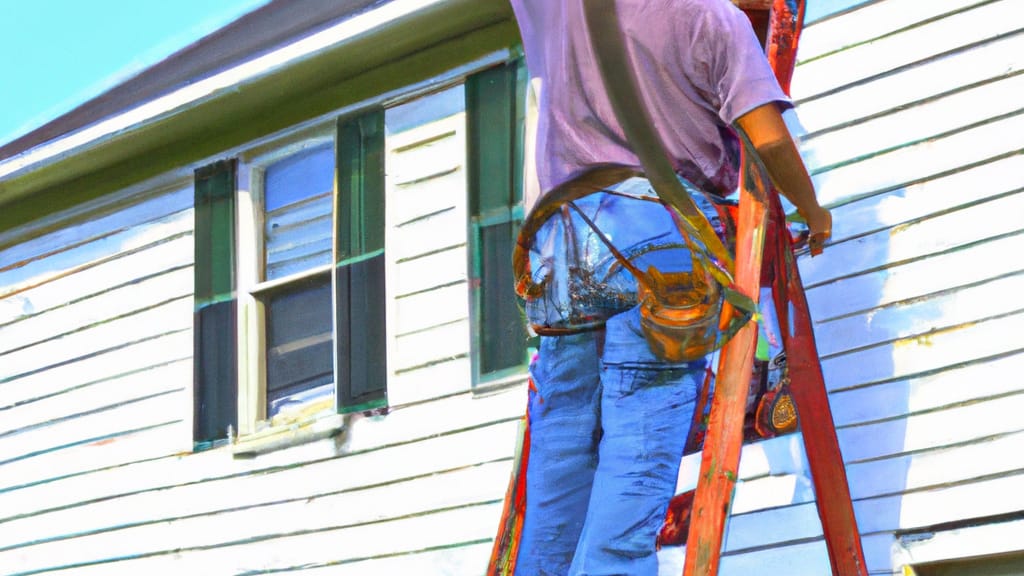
<point>308,335</point>
<point>295,292</point>
<point>495,101</point>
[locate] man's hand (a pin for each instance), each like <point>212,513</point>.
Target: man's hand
<point>819,223</point>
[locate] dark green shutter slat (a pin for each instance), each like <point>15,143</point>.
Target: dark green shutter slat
<point>490,101</point>
<point>360,198</point>
<point>360,304</point>
<point>215,354</point>
<point>362,367</point>
<point>495,114</point>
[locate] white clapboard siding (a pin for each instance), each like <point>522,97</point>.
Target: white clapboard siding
<point>913,137</point>
<point>375,467</point>
<point>774,473</point>
<point>427,238</point>
<point>418,197</point>
<point>924,508</point>
<point>464,560</point>
<point>872,21</point>
<point>921,160</point>
<point>435,151</point>
<point>34,272</point>
<point>919,239</point>
<point>420,273</point>
<point>964,266</point>
<point>437,231</point>
<point>802,559</point>
<point>163,317</point>
<point>168,347</point>
<point>928,119</point>
<point>71,465</point>
<point>889,53</point>
<point>434,381</point>
<point>989,60</point>
<point>120,301</point>
<point>24,243</point>
<point>905,511</point>
<point>97,426</point>
<point>170,254</point>
<point>96,361</point>
<point>443,491</point>
<point>946,427</point>
<point>430,308</point>
<point>125,388</point>
<point>983,379</point>
<point>342,544</point>
<point>915,201</point>
<point>937,467</point>
<point>439,344</point>
<point>408,443</point>
<point>961,542</point>
<point>919,316</point>
<point>942,349</point>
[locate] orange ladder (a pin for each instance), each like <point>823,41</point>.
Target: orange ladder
<point>761,216</point>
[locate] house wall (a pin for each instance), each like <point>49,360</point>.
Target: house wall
<point>912,132</point>
<point>98,473</point>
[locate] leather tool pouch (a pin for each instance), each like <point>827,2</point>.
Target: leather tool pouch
<point>573,276</point>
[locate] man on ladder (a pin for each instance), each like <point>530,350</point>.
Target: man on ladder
<point>610,406</point>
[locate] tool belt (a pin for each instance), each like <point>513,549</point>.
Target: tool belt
<point>605,242</point>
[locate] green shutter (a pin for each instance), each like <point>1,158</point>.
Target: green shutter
<point>494,103</point>
<point>215,345</point>
<point>360,306</point>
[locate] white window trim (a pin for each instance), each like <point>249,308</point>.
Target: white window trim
<point>251,333</point>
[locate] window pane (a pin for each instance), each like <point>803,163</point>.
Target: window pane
<point>504,334</point>
<point>297,224</point>
<point>300,362</point>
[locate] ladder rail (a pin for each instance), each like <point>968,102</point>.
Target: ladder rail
<point>720,457</point>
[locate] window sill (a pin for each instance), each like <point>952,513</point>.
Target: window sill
<point>495,385</point>
<point>287,435</point>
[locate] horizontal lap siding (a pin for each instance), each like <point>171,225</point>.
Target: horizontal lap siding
<point>408,473</point>
<point>95,340</point>
<point>427,239</point>
<point>913,134</point>
<point>417,489</point>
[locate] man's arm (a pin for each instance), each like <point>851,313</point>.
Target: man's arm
<point>768,133</point>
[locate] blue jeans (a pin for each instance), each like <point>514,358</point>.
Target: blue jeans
<point>608,427</point>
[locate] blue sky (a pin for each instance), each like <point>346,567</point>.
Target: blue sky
<point>57,54</point>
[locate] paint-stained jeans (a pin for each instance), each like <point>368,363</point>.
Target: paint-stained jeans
<point>607,434</point>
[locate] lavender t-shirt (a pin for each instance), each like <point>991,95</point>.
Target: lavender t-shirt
<point>699,67</point>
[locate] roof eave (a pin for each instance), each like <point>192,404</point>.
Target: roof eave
<point>320,70</point>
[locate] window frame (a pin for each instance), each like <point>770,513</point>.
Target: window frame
<point>253,288</point>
